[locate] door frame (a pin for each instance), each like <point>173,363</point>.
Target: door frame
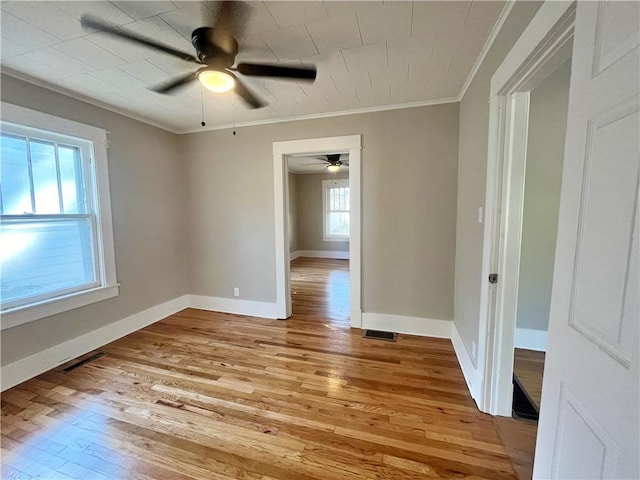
<point>352,145</point>
<point>544,45</point>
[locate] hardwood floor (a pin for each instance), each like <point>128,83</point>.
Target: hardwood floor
<point>528,366</point>
<point>203,395</point>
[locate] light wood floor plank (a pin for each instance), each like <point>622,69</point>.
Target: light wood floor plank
<point>203,395</point>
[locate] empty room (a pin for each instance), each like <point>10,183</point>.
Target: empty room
<point>319,240</point>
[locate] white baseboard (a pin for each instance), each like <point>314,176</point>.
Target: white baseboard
<point>426,327</point>
<point>33,365</point>
<point>319,254</point>
<point>469,371</point>
<point>232,305</point>
<point>531,339</point>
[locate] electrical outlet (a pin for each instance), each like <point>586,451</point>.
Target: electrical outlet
<point>480,214</point>
<point>236,292</point>
<point>473,348</point>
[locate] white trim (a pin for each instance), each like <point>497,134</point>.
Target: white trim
<point>352,145</point>
<point>471,374</point>
<point>26,117</point>
<point>425,327</point>
<point>233,305</point>
<point>509,247</point>
<point>33,365</point>
<point>547,32</point>
<point>35,311</point>
<point>340,255</point>
<point>506,10</point>
<point>543,45</point>
<point>531,339</point>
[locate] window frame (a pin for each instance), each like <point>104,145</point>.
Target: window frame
<point>326,185</point>
<point>93,142</point>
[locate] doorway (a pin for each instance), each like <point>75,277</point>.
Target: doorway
<point>546,132</point>
<point>548,46</point>
<point>593,333</point>
<point>319,220</point>
<point>346,145</point>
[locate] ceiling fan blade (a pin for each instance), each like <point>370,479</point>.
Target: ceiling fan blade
<point>263,70</point>
<point>88,21</point>
<point>252,100</point>
<point>173,84</point>
<point>227,23</point>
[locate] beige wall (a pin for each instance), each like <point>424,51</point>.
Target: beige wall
<point>472,165</point>
<point>308,225</point>
<point>150,234</point>
<point>545,154</point>
<point>293,212</point>
<point>409,170</point>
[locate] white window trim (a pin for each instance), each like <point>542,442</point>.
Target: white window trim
<point>108,288</point>
<point>325,218</point>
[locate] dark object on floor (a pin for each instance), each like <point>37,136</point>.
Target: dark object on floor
<point>379,335</point>
<point>523,407</point>
<point>83,361</point>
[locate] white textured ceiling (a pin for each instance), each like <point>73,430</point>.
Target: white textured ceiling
<point>369,55</point>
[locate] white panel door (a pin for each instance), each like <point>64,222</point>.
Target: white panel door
<point>589,423</point>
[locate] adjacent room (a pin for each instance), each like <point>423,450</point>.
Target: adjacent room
<point>319,240</point>
<point>543,176</point>
<point>318,220</point>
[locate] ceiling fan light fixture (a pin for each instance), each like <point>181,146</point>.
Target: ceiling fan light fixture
<point>216,81</point>
<point>333,168</point>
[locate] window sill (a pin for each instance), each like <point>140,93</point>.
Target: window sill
<point>335,239</point>
<point>35,311</point>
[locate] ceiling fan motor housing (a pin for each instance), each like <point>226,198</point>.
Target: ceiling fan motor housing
<point>220,53</point>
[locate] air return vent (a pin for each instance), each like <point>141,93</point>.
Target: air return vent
<point>380,335</point>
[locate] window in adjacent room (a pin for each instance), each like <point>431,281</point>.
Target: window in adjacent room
<point>335,194</point>
<point>56,242</point>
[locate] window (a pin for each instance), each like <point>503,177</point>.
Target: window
<point>55,230</point>
<point>335,195</point>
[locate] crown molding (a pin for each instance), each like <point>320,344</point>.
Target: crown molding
<point>78,96</point>
<point>313,116</point>
<point>506,10</point>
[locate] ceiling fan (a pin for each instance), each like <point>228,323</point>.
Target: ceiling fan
<point>333,161</point>
<point>216,49</point>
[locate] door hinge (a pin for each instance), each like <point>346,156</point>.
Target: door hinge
<point>493,278</point>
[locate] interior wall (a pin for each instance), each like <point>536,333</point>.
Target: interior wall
<point>293,212</point>
<point>472,172</point>
<point>309,222</point>
<point>545,153</point>
<point>148,201</point>
<point>409,174</point>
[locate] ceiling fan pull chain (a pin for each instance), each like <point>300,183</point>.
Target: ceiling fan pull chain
<point>233,114</point>
<point>202,122</point>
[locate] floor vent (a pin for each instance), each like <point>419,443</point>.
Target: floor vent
<point>380,335</point>
<point>523,407</point>
<point>84,361</point>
